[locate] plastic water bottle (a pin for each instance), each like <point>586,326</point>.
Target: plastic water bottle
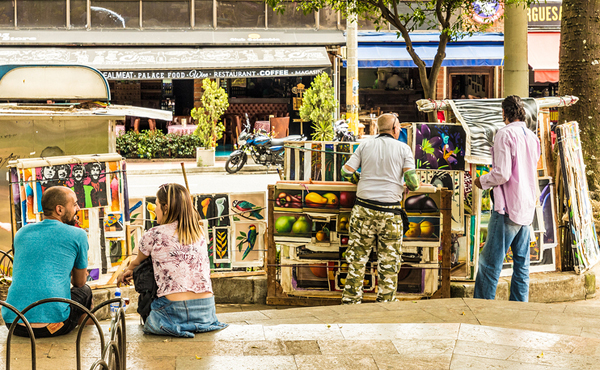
<point>114,307</point>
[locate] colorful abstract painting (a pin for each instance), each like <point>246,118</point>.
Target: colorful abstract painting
<point>439,146</point>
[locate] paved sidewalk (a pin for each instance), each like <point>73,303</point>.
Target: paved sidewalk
<point>431,334</point>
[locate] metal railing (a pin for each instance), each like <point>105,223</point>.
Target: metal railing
<point>113,355</point>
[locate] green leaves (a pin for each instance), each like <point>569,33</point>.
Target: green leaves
<point>214,104</point>
<point>155,144</point>
<point>318,106</point>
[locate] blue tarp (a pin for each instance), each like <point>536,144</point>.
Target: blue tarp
<point>380,50</point>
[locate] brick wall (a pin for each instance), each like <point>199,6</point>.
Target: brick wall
<point>440,84</point>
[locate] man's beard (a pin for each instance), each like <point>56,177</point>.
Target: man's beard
<point>65,220</point>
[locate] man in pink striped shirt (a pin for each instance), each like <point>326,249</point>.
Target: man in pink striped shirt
<point>515,154</point>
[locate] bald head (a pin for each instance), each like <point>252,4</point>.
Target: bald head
<point>385,123</point>
<point>55,196</point>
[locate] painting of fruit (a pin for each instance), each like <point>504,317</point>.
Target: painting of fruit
<point>347,199</point>
<point>421,203</point>
<point>286,224</point>
<point>423,228</point>
<point>290,199</point>
<point>322,199</point>
<point>344,223</point>
<point>439,146</point>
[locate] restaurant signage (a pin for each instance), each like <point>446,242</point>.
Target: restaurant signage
<point>222,73</point>
<point>545,15</point>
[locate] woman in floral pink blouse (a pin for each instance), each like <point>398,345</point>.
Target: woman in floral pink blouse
<point>185,303</point>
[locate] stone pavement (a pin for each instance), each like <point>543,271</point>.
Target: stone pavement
<point>430,334</point>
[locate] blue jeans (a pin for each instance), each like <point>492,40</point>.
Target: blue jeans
<point>182,318</point>
<point>502,234</point>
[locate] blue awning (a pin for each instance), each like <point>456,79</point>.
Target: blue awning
<point>381,50</point>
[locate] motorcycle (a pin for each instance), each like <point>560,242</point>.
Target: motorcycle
<point>264,150</point>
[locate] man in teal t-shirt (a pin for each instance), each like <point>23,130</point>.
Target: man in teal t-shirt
<point>49,256</point>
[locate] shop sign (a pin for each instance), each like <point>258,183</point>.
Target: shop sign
<point>486,11</point>
<point>224,73</point>
<point>548,14</point>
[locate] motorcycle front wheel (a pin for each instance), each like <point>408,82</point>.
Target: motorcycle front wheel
<point>235,162</point>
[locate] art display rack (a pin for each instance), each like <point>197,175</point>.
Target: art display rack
<point>100,184</point>
<point>480,120</point>
<point>305,265</point>
<point>234,223</point>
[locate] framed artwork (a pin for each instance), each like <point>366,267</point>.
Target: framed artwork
<point>247,206</point>
<point>221,249</point>
<point>249,243</point>
<point>439,146</point>
<point>150,213</point>
<point>87,180</point>
<point>451,180</point>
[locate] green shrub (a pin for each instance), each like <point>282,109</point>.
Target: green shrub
<point>155,144</point>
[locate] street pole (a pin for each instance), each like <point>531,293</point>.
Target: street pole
<point>352,71</point>
<point>516,67</point>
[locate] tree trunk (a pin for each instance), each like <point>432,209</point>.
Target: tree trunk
<point>580,76</point>
<point>430,88</point>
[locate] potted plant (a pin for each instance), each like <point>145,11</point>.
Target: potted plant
<point>318,106</point>
<point>210,128</point>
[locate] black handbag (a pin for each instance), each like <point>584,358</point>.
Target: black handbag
<point>145,285</point>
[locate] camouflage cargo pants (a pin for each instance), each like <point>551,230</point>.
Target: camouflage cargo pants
<point>366,226</point>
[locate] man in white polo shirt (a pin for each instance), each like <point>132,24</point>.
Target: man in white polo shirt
<point>386,166</point>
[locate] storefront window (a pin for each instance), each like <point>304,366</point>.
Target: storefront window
<point>78,13</point>
<point>115,13</point>
<point>328,19</point>
<point>204,14</point>
<point>165,13</point>
<point>7,14</point>
<point>48,13</point>
<point>240,14</point>
<point>293,17</point>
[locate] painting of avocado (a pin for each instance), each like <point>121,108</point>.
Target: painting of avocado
<point>322,200</point>
<point>419,204</point>
<point>288,200</point>
<point>423,229</point>
<point>293,225</point>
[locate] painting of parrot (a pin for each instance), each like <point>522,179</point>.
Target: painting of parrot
<point>242,207</point>
<point>249,238</point>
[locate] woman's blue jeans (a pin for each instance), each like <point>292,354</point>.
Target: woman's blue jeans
<point>182,318</point>
<point>502,234</point>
